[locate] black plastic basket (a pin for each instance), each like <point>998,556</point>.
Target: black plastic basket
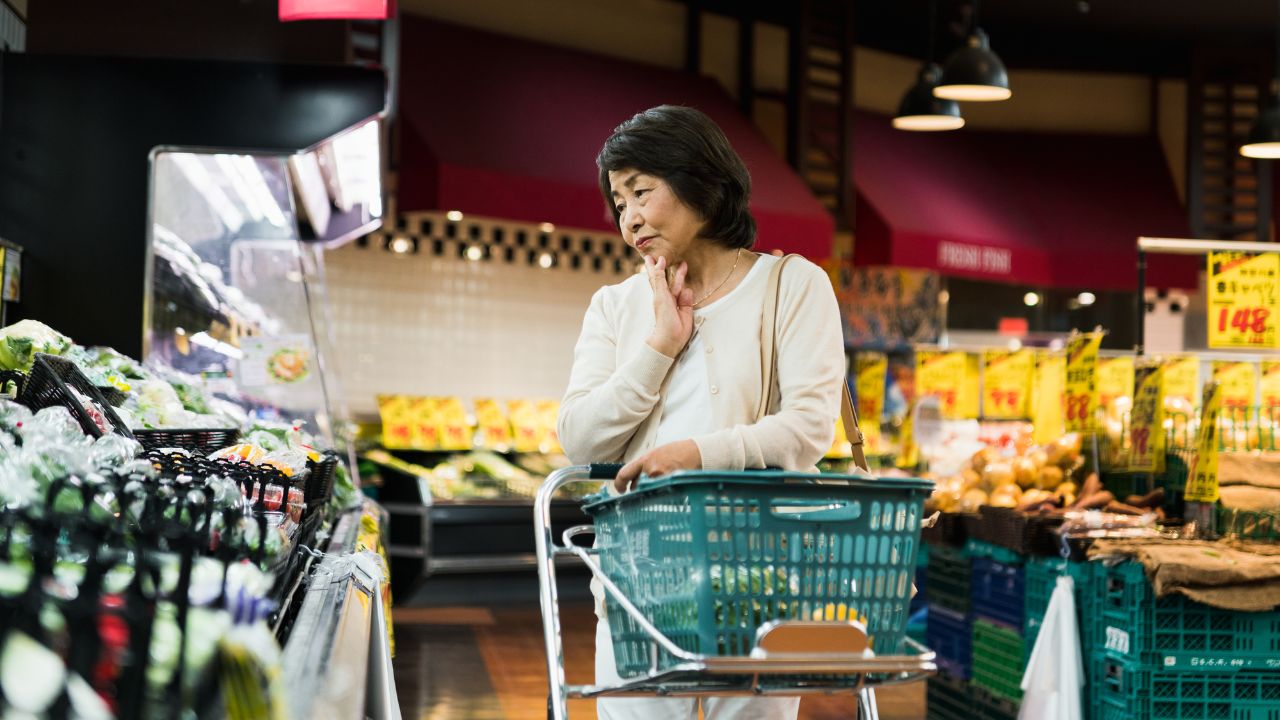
<point>12,376</point>
<point>1023,533</point>
<point>200,441</point>
<point>319,484</point>
<point>113,395</point>
<point>49,385</point>
<point>950,529</point>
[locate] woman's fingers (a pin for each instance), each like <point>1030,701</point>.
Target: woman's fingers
<point>677,283</point>
<point>628,475</point>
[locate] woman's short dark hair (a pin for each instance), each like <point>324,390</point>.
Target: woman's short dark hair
<point>689,152</point>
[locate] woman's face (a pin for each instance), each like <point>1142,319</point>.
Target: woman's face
<point>652,219</point>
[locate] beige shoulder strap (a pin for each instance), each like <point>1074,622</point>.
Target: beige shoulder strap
<point>769,363</point>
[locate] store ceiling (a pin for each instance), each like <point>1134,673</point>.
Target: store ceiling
<point>1143,36</point>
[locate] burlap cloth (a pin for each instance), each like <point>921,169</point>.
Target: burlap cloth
<point>1259,469</point>
<point>1228,574</point>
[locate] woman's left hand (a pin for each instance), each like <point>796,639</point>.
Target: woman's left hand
<point>679,455</point>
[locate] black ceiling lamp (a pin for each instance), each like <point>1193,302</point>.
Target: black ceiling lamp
<point>973,73</point>
<point>921,110</point>
<point>1263,140</point>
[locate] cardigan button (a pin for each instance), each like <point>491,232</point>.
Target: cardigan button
<point>714,389</point>
<point>710,349</point>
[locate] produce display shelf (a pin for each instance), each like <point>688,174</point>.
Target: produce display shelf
<point>997,592</point>
<point>1175,633</point>
<point>1122,690</point>
<point>950,635</point>
<point>998,660</point>
<point>949,572</point>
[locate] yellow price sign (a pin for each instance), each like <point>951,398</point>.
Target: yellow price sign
<point>1081,397</point>
<point>526,426</point>
<point>943,375</point>
<point>1239,381</point>
<point>1046,403</point>
<point>870,372</point>
<point>424,423</point>
<point>1115,380</point>
<point>1269,384</point>
<point>397,422</point>
<point>452,426</point>
<point>1146,422</point>
<point>1243,300</point>
<point>1181,378</point>
<point>491,423</point>
<point>548,414</point>
<point>1202,484</point>
<point>1006,384</point>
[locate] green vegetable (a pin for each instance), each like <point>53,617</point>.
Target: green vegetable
<point>20,342</point>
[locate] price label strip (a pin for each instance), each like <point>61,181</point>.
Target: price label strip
<point>870,372</point>
<point>1243,300</point>
<point>1202,485</point>
<point>1146,422</point>
<point>1006,384</point>
<point>1082,388</point>
<point>397,422</point>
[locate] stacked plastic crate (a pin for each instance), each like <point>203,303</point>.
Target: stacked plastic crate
<point>1175,658</point>
<point>948,632</point>
<point>999,651</point>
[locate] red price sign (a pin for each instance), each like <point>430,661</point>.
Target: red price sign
<point>1078,408</point>
<point>1244,320</point>
<point>1139,438</point>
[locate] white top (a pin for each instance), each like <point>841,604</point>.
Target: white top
<point>617,388</point>
<point>686,410</point>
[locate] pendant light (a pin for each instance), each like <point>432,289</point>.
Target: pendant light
<point>920,110</point>
<point>1263,140</point>
<point>973,73</point>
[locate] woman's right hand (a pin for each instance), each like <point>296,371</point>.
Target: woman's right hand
<point>672,307</point>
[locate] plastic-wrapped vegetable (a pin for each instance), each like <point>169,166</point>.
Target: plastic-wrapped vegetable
<point>20,342</point>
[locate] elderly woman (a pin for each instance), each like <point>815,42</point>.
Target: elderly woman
<point>666,373</point>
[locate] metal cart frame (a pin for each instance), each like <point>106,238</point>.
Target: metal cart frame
<point>783,647</point>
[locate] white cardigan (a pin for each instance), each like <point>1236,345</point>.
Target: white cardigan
<point>613,405</point>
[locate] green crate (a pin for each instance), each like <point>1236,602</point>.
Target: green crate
<point>949,577</point>
<point>710,556</point>
<point>1040,579</point>
<point>987,706</point>
<point>998,660</point>
<point>947,698</point>
<point>1175,633</point>
<point>1123,690</point>
<point>978,548</point>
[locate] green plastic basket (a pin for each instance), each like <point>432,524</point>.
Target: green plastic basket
<point>1123,690</point>
<point>708,557</point>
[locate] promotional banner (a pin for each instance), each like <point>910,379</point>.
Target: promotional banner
<point>1081,397</point>
<point>1047,403</point>
<point>1242,300</point>
<point>1239,381</point>
<point>870,370</point>
<point>526,426</point>
<point>451,421</point>
<point>1006,384</point>
<point>943,375</point>
<point>548,413</point>
<point>1146,422</point>
<point>970,390</point>
<point>1115,381</point>
<point>1202,485</point>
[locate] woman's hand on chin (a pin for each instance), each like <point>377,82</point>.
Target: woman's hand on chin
<point>663,460</point>
<point>672,307</point>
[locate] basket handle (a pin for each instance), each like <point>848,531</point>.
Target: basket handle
<point>603,471</point>
<point>811,510</point>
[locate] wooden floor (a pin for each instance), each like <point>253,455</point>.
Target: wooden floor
<point>488,664</point>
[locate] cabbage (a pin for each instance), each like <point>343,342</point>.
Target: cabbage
<point>20,342</point>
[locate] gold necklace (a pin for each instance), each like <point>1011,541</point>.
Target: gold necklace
<point>722,282</point>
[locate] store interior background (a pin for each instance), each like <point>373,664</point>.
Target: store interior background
<point>437,319</point>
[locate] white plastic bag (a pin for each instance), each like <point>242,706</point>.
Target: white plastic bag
<point>1051,686</point>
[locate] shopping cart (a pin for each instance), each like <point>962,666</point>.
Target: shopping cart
<point>748,583</point>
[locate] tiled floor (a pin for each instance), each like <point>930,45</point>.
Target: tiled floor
<point>487,664</point>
